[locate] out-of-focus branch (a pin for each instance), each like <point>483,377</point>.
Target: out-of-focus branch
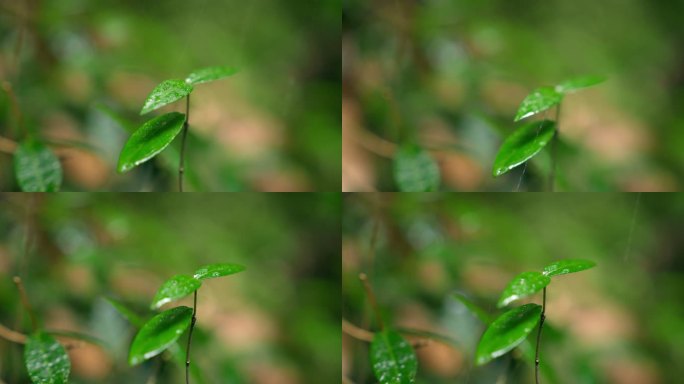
<point>367,336</point>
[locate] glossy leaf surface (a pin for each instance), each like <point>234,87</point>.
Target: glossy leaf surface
<point>205,75</point>
<point>37,168</point>
<point>522,145</point>
<point>523,285</point>
<point>165,93</point>
<point>150,139</point>
<point>46,360</point>
<point>393,358</point>
<point>415,170</point>
<point>217,270</point>
<point>507,332</point>
<point>175,288</point>
<point>159,333</point>
<point>539,100</point>
<point>578,83</point>
<point>562,267</point>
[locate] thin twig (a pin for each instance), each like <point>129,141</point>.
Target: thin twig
<point>20,338</point>
<point>541,325</point>
<point>14,101</point>
<point>371,298</point>
<point>364,335</point>
<point>187,350</point>
<point>25,301</point>
<point>181,166</point>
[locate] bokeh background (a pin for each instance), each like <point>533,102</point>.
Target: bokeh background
<point>620,322</point>
<point>81,70</point>
<point>450,75</point>
<point>275,323</point>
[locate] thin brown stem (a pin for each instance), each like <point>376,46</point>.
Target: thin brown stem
<point>186,124</point>
<point>192,327</point>
<point>372,300</point>
<point>20,338</point>
<point>25,301</point>
<point>541,325</point>
<point>14,101</point>
<point>364,335</point>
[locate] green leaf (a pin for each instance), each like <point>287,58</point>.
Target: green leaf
<point>217,270</point>
<point>523,285</point>
<point>393,359</point>
<point>175,288</point>
<point>480,313</point>
<point>539,100</point>
<point>561,267</point>
<point>578,83</point>
<point>206,75</point>
<point>165,93</point>
<point>507,332</point>
<point>37,168</point>
<point>159,333</point>
<point>415,170</point>
<point>150,139</point>
<point>46,360</point>
<point>522,145</point>
<point>129,315</point>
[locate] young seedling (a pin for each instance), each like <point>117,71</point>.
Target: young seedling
<point>392,357</point>
<point>512,328</point>
<point>528,140</point>
<point>164,329</point>
<point>156,134</point>
<point>45,358</point>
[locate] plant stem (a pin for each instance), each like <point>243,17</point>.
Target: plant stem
<point>371,298</point>
<point>181,165</point>
<point>25,301</point>
<point>554,150</point>
<point>541,325</point>
<point>187,350</point>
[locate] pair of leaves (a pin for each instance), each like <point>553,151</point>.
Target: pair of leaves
<point>529,283</point>
<point>156,134</point>
<point>164,329</point>
<point>393,358</point>
<point>415,170</point>
<point>37,168</point>
<point>545,98</point>
<point>46,360</point>
<point>531,138</point>
<point>511,328</point>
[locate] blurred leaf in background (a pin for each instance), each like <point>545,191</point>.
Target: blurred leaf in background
<point>442,260</point>
<point>450,76</point>
<point>95,262</point>
<point>80,70</point>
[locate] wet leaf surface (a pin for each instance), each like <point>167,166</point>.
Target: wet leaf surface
<point>217,270</point>
<point>562,267</point>
<point>165,93</point>
<point>37,168</point>
<point>522,145</point>
<point>150,139</point>
<point>205,75</point>
<point>507,332</point>
<point>46,360</point>
<point>523,285</point>
<point>159,333</point>
<point>393,358</point>
<point>175,288</point>
<point>539,100</point>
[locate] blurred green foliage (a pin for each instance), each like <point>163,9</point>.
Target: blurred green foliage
<point>451,74</point>
<point>81,69</point>
<point>278,322</point>
<point>620,322</point>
